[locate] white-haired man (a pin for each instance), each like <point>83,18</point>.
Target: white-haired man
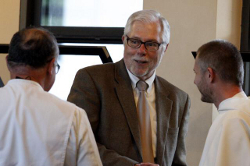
<point>129,130</point>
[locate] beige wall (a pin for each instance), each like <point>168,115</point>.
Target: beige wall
<point>193,23</point>
<point>228,23</point>
<point>9,24</point>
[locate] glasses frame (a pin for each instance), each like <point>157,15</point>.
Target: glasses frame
<point>145,43</point>
<point>57,67</point>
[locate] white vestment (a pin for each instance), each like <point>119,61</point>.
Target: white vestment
<point>228,140</point>
<point>39,129</point>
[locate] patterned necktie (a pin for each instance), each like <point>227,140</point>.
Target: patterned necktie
<point>145,123</point>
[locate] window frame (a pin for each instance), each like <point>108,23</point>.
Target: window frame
<point>30,15</point>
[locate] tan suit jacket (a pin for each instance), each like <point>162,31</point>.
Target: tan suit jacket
<point>106,94</point>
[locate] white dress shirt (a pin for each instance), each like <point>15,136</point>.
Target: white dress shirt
<point>150,95</point>
<point>37,128</point>
<point>228,140</point>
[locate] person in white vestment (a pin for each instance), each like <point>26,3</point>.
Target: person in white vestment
<point>36,127</point>
<point>219,77</point>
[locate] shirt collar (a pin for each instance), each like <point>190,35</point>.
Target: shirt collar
<point>233,102</point>
<point>135,79</point>
<point>25,82</point>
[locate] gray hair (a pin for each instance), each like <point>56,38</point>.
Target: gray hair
<point>148,16</point>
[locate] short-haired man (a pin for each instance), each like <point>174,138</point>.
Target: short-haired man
<point>219,77</point>
<point>37,128</point>
<point>126,133</point>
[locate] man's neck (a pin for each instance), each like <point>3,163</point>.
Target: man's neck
<point>24,72</point>
<point>226,92</point>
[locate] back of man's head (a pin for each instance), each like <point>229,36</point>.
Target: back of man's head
<point>33,47</point>
<point>224,58</point>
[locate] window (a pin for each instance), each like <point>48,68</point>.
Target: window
<point>84,21</point>
<point>70,64</point>
<point>86,13</point>
<point>80,23</point>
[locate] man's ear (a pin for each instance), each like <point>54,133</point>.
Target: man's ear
<point>6,60</point>
<point>166,47</point>
<point>211,74</point>
<point>51,66</point>
<point>8,66</point>
<point>123,39</point>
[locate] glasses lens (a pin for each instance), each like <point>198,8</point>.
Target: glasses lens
<point>152,46</point>
<point>57,68</point>
<point>134,43</point>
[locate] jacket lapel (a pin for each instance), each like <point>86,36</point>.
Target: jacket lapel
<point>163,109</point>
<point>126,97</point>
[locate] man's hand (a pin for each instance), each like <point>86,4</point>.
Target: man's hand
<point>147,164</point>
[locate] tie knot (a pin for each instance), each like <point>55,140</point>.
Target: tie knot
<point>142,85</point>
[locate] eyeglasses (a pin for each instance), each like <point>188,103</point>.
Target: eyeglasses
<point>57,67</point>
<point>149,45</point>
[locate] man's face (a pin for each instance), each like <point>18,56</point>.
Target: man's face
<point>139,61</point>
<point>202,84</point>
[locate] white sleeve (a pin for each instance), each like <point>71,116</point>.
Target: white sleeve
<point>82,148</point>
<point>234,143</point>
